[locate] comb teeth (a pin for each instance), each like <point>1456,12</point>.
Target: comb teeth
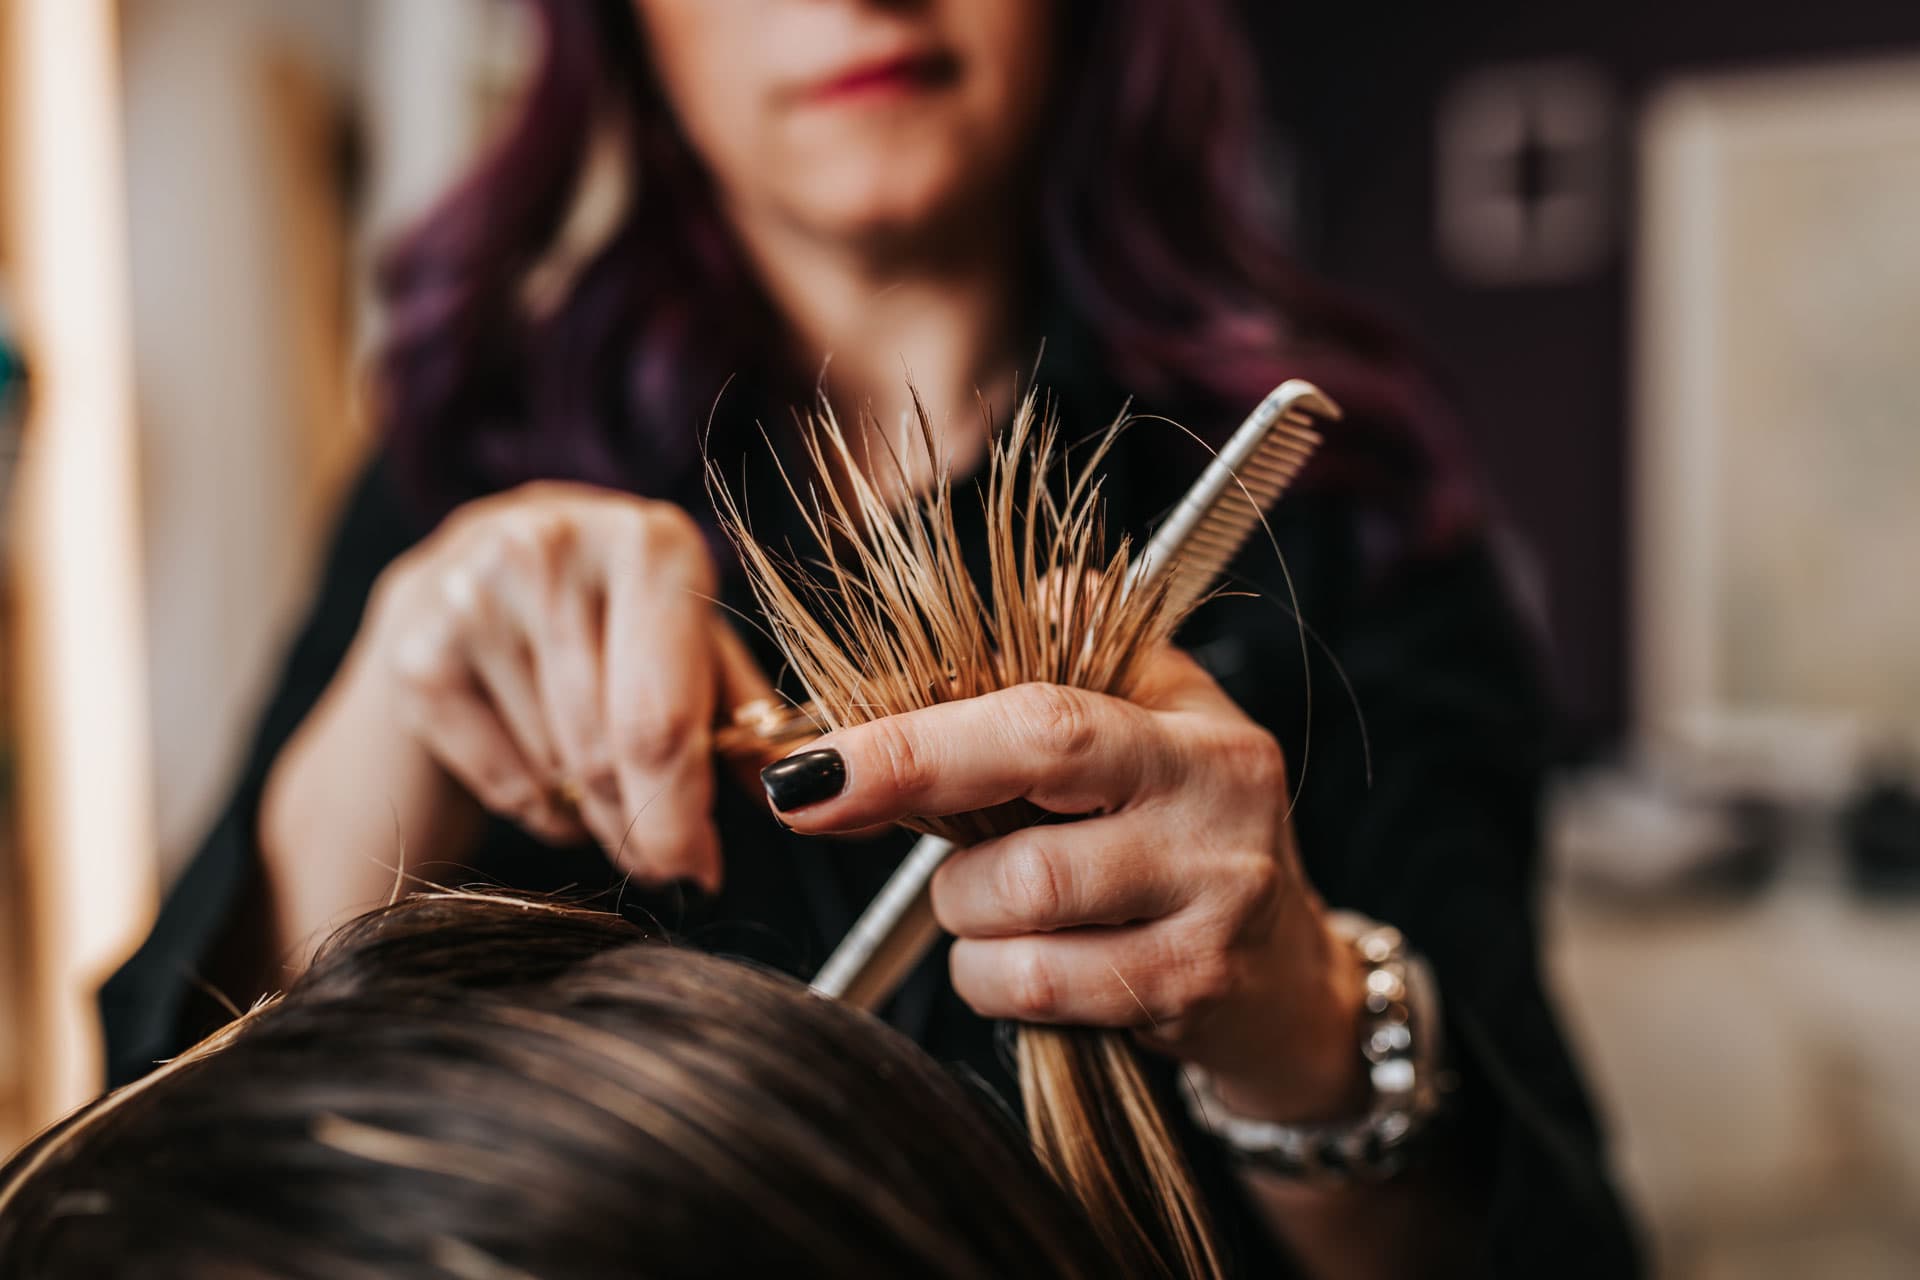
<point>1260,461</point>
<point>1197,540</point>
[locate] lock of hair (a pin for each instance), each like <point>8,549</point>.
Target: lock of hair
<point>891,620</point>
<point>1191,549</point>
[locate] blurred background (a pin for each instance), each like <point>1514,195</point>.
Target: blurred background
<point>1669,254</point>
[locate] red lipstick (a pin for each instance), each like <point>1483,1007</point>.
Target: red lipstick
<point>889,77</point>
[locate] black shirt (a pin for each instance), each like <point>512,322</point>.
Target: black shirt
<point>1415,727</point>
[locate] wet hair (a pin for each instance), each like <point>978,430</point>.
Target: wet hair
<point>878,617</point>
<point>1151,227</point>
<point>483,1087</point>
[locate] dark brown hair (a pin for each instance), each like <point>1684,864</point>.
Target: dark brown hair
<point>468,1086</point>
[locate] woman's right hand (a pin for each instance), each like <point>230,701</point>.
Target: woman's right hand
<point>553,648</point>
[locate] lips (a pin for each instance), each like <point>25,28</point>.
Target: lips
<point>890,76</point>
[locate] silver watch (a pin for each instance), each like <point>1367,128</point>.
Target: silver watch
<point>1400,1043</point>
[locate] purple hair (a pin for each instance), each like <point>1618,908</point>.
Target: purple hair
<point>1151,232</point>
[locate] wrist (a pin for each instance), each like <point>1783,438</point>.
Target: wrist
<point>1400,1040</point>
<point>1305,1067</point>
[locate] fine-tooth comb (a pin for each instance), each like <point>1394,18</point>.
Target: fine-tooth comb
<point>1195,544</point>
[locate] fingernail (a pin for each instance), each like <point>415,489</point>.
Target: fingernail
<point>808,778</point>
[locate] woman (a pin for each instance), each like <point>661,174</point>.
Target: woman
<point>511,657</point>
<point>482,1087</point>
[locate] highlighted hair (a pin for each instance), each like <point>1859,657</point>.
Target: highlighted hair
<point>887,619</point>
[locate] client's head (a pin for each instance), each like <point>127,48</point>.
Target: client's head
<point>482,1088</point>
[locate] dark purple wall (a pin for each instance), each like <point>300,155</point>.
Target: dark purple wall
<point>1542,368</point>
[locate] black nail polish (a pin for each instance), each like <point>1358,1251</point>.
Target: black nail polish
<point>808,778</point>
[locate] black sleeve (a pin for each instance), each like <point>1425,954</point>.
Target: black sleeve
<point>159,1000</point>
<point>1441,842</point>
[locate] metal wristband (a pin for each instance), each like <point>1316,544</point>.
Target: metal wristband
<point>1400,1044</point>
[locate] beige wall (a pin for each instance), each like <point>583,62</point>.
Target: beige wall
<point>227,260</point>
<point>221,394</point>
<point>237,431</point>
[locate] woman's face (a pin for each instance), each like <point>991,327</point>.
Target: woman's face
<point>864,121</point>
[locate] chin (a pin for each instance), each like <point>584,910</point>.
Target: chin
<point>885,198</point>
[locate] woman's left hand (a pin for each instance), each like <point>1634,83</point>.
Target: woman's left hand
<point>1174,904</point>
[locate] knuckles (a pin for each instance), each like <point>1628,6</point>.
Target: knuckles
<point>1032,991</point>
<point>904,768</point>
<point>1030,883</point>
<point>544,544</point>
<point>1058,720</point>
<point>1193,973</point>
<point>1251,888</point>
<point>1204,980</point>
<point>431,663</point>
<point>661,529</point>
<point>542,532</point>
<point>538,545</point>
<point>667,734</point>
<point>1252,759</point>
<point>660,543</point>
<point>1204,955</point>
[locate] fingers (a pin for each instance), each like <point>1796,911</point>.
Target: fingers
<point>669,832</point>
<point>458,718</point>
<point>1135,976</point>
<point>1101,871</point>
<point>1171,680</point>
<point>659,700</point>
<point>1065,750</point>
<point>459,727</point>
<point>493,647</point>
<point>558,651</point>
<point>567,663</point>
<point>531,635</point>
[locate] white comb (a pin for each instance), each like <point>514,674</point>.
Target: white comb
<point>1232,496</point>
<point>1195,544</point>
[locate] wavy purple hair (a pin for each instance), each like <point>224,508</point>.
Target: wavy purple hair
<point>1150,228</point>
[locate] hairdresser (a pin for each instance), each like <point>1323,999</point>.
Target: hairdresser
<point>704,210</point>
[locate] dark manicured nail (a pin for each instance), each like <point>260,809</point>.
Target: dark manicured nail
<point>808,778</point>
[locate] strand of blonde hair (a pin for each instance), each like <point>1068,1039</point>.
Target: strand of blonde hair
<point>886,618</point>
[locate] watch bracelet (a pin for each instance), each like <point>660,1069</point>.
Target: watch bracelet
<point>1402,1047</point>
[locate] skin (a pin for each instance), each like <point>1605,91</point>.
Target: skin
<point>1179,910</point>
<point>886,172</point>
<point>878,221</point>
<point>548,654</point>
